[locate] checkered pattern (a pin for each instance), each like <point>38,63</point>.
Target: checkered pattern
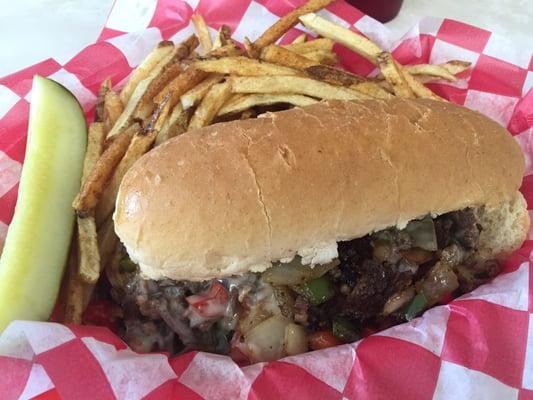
<point>480,346</point>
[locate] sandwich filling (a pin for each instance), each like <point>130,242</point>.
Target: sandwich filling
<point>377,281</point>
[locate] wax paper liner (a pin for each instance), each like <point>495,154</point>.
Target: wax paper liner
<point>479,346</point>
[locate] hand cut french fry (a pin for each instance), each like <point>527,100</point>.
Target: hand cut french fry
<point>89,258</point>
<point>242,66</point>
<point>181,85</point>
<point>418,88</point>
<point>390,71</point>
<point>282,56</point>
<point>211,103</point>
<point>93,187</point>
<point>158,118</point>
<point>195,95</point>
<point>372,89</point>
<point>333,75</point>
<point>312,45</point>
<point>455,67</point>
<point>431,70</point>
<point>146,107</point>
<point>427,73</point>
<point>358,43</point>
<point>95,147</point>
<point>175,125</point>
<point>276,31</point>
<point>203,33</point>
<point>73,289</point>
<point>293,85</point>
<point>301,38</point>
<point>100,100</point>
<point>151,85</point>
<point>445,71</point>
<point>248,101</point>
<point>106,202</point>
<point>228,50</point>
<point>223,37</point>
<point>322,57</point>
<point>140,143</point>
<point>144,69</point>
<point>113,108</point>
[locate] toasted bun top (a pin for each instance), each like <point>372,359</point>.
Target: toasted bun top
<point>234,197</point>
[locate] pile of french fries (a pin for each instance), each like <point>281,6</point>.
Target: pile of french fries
<point>201,81</point>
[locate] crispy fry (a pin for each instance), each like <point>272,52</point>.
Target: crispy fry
<point>143,70</point>
<point>95,147</point>
<point>153,84</point>
<point>100,100</point>
<point>180,85</point>
<point>277,30</point>
<point>74,302</point>
<point>420,78</point>
<point>195,95</point>
<point>211,103</point>
<point>418,88</point>
<point>89,258</point>
<point>175,125</point>
<point>158,119</point>
<point>112,109</point>
<point>242,66</point>
<point>108,195</point>
<point>389,69</point>
<point>455,67</point>
<point>301,38</point>
<point>147,107</point>
<point>333,75</point>
<point>312,45</point>
<point>203,32</point>
<point>245,102</point>
<point>93,187</point>
<point>223,37</point>
<point>144,111</point>
<point>141,142</point>
<point>371,89</point>
<point>431,70</point>
<point>294,85</point>
<point>88,290</point>
<point>282,56</point>
<point>322,57</point>
<point>358,43</point>
<point>229,50</point>
<point>73,289</point>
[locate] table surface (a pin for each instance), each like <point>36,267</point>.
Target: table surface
<point>39,29</point>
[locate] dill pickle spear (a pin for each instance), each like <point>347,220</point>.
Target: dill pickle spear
<point>38,239</point>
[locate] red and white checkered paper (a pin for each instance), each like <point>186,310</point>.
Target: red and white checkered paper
<point>476,347</point>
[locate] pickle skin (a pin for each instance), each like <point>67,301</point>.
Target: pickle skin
<point>38,240</point>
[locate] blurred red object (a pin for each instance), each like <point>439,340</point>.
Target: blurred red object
<point>382,10</point>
